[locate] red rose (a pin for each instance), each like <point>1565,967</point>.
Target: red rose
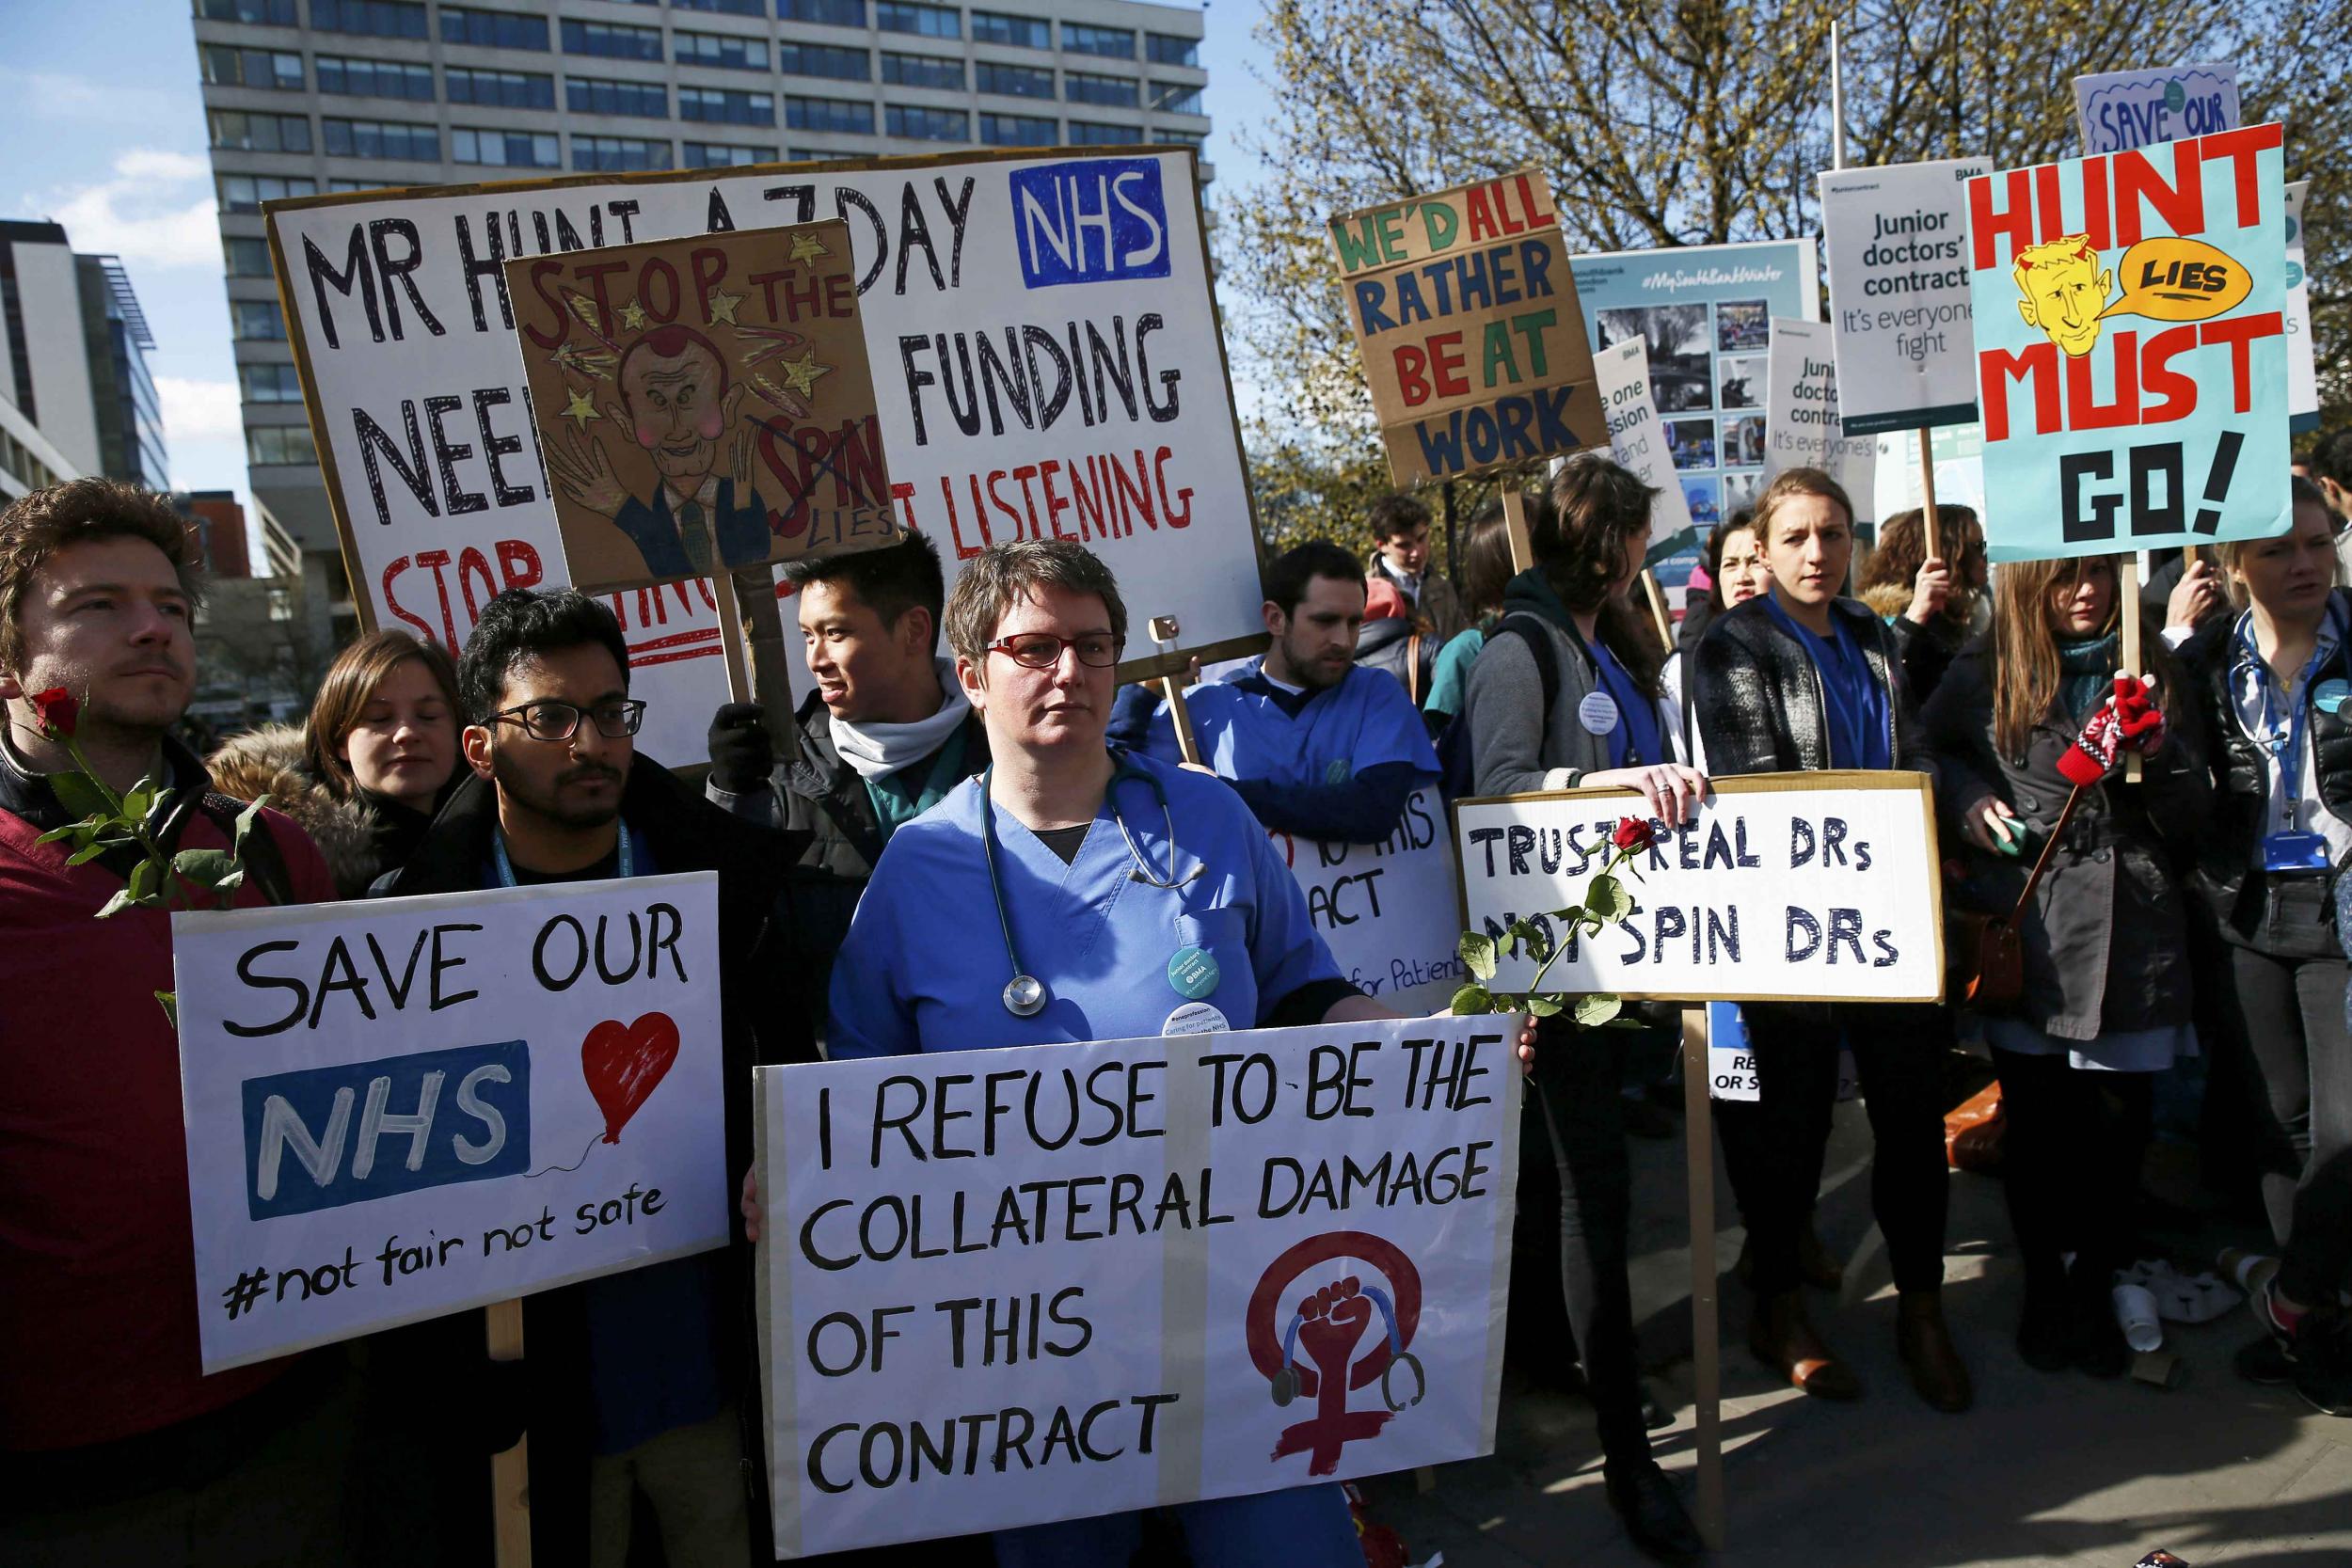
<point>59,712</point>
<point>1633,833</point>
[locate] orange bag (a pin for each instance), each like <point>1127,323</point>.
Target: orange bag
<point>1972,1132</point>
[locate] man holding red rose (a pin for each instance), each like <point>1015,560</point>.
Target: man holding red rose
<point>113,1447</point>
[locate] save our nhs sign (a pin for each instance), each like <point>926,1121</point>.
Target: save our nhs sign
<point>2119,110</point>
<point>1098,220</point>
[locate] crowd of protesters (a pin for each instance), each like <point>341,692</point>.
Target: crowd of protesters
<point>2193,914</point>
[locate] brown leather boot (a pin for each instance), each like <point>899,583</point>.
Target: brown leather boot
<point>1780,1336</point>
<point>1927,1349</point>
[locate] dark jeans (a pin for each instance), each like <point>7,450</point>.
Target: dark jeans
<point>1576,1079</point>
<point>2297,1057</point>
<point>2071,1161</point>
<point>1773,1145</point>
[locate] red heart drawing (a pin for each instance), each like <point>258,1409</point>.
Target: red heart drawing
<point>623,1062</point>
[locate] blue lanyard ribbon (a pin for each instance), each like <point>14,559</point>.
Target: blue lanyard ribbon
<point>2286,743</point>
<point>506,867</point>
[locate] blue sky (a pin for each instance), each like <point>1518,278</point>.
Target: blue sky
<point>104,133</point>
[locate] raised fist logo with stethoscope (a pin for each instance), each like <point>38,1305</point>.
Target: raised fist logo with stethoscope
<point>1309,1349</point>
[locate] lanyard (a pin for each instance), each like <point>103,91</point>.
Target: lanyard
<point>506,867</point>
<point>2285,746</point>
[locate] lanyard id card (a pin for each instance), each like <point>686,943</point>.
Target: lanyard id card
<point>2289,851</point>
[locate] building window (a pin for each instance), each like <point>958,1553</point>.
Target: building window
<point>279,444</point>
<point>493,29</point>
<point>614,40</point>
<point>245,193</point>
<point>1016,130</point>
<point>1112,93</point>
<point>257,321</point>
<point>931,21</point>
<point>832,13</point>
<point>501,90</point>
<point>732,8</point>
<point>269,383</point>
<point>1089,133</point>
<point>727,50</point>
<point>505,148</point>
<point>380,19</point>
<point>266,13</point>
<point>380,139</point>
<point>272,69</point>
<point>1180,138</point>
<point>929,124</point>
<point>1161,49</point>
<point>818,59</point>
<point>726,106</point>
<point>619,154</point>
<point>1021,32</point>
<point>829,114</point>
<point>359,78</point>
<point>1116,44</point>
<point>240,132</point>
<point>587,95</point>
<point>922,70</point>
<point>246,258</point>
<point>344,187</point>
<point>1175,98</point>
<point>1017,81</point>
<point>714,154</point>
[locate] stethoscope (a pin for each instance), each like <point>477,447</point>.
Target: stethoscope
<point>1025,995</point>
<point>1286,1380</point>
<point>2284,741</point>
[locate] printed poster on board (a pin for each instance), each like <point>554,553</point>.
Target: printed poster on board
<point>1897,245</point>
<point>1638,442</point>
<point>1802,416</point>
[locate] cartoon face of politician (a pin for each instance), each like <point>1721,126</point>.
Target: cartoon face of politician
<point>676,402</point>
<point>2065,292</point>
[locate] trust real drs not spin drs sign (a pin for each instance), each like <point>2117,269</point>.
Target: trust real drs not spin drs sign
<point>2131,347</point>
<point>1472,340</point>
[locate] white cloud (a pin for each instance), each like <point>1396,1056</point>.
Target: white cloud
<point>153,162</point>
<point>154,212</point>
<point>198,410</point>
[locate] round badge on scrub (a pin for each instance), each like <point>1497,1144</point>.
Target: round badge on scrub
<point>2329,695</point>
<point>1597,713</point>
<point>1193,971</point>
<point>1196,1018</point>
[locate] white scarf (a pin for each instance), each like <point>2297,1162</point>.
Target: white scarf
<point>877,751</point>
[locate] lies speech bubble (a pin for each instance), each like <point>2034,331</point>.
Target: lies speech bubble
<point>2171,280</point>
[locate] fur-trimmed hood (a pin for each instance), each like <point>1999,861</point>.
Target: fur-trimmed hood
<point>1887,600</point>
<point>269,761</point>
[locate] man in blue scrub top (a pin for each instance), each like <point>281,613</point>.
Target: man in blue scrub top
<point>1094,941</point>
<point>1318,745</point>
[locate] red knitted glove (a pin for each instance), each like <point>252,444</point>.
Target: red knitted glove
<point>2092,757</point>
<point>2137,716</point>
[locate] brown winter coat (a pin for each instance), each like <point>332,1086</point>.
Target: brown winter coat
<point>269,761</point>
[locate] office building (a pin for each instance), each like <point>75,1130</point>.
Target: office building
<point>315,96</point>
<point>218,524</point>
<point>73,356</point>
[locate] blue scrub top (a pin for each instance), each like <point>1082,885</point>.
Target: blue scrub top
<point>1856,703</point>
<point>924,966</point>
<point>1365,721</point>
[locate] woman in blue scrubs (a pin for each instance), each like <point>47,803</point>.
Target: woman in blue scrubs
<point>1074,893</point>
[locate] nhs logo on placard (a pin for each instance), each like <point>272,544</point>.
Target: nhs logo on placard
<point>1096,221</point>
<point>328,1136</point>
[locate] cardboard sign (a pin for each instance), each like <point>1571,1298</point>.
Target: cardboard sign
<point>1802,415</point>
<point>2132,349</point>
<point>406,1108</point>
<point>1386,909</point>
<point>2118,110</point>
<point>1730,1060</point>
<point>1704,315</point>
<point>1899,293</point>
<point>1637,440</point>
<point>2302,359</point>
<point>1784,887</point>
<point>999,1288</point>
<point>1472,340</point>
<point>704,403</point>
<point>1046,355</point>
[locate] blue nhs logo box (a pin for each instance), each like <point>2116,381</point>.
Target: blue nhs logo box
<point>1099,220</point>
<point>327,1136</point>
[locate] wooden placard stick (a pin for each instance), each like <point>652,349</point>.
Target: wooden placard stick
<point>1926,490</point>
<point>1514,524</point>
<point>1164,631</point>
<point>770,659</point>
<point>1706,1332</point>
<point>510,1471</point>
<point>1657,596</point>
<point>2127,605</point>
<point>730,630</point>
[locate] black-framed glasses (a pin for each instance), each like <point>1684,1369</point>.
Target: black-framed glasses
<point>1042,650</point>
<point>549,720</point>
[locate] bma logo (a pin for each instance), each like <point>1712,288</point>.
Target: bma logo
<point>1096,221</point>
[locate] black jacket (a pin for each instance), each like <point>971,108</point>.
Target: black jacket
<point>757,1024</point>
<point>2107,947</point>
<point>1760,702</point>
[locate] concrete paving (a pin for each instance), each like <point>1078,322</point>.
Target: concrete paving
<point>2047,1470</point>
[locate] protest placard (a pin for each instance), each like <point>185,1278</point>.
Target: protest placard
<point>1704,313</point>
<point>703,404</point>
<point>401,1108</point>
<point>1472,340</point>
<point>1783,887</point>
<point>2302,357</point>
<point>2131,347</point>
<point>2118,110</point>
<point>1637,440</point>
<point>1958,451</point>
<point>1386,909</point>
<point>1899,293</point>
<point>1802,412</point>
<point>1730,1059</point>
<point>1017,397</point>
<point>999,1288</point>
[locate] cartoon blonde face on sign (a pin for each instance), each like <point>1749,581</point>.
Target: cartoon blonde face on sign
<point>2065,292</point>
